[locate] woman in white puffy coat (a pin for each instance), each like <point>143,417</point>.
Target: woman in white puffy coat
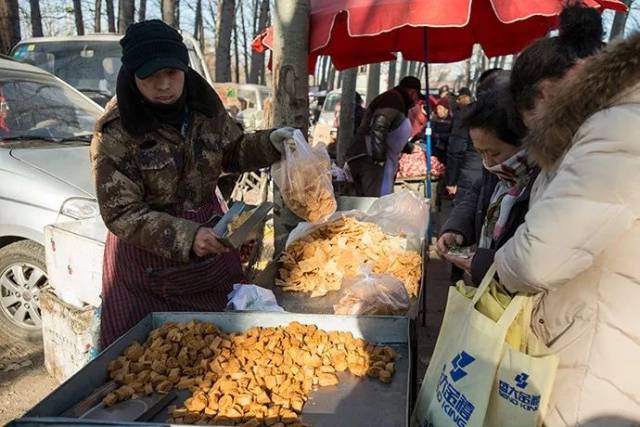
<point>579,248</point>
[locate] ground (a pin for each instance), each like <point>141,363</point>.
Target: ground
<point>24,381</point>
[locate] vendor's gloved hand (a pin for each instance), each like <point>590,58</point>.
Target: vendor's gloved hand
<point>281,136</point>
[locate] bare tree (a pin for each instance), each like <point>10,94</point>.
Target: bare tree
<point>169,12</point>
<point>236,53</point>
<point>36,18</point>
<point>331,79</point>
<point>245,44</point>
<point>391,81</point>
<point>620,22</point>
<point>111,16</point>
<point>257,59</point>
<point>373,82</point>
<point>403,68</point>
<point>142,11</point>
<point>347,112</point>
<point>290,87</point>
<point>97,17</point>
<point>77,13</point>
<point>9,25</point>
<point>198,31</point>
<point>224,27</point>
<point>126,15</point>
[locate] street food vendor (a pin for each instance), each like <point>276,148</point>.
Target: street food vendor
<point>157,153</point>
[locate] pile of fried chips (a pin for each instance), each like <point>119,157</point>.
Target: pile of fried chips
<point>310,192</point>
<point>318,262</point>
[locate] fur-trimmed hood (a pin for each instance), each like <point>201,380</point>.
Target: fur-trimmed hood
<point>607,79</point>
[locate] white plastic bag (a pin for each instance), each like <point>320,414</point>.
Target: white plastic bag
<point>373,294</point>
<point>304,179</point>
<point>252,298</point>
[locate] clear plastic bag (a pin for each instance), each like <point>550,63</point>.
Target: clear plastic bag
<point>373,294</point>
<point>304,179</point>
<point>403,213</point>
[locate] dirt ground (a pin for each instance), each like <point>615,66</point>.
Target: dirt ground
<point>24,381</point>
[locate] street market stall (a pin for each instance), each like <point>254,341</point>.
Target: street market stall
<point>85,398</point>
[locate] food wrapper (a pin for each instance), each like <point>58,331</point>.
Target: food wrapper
<point>373,294</point>
<point>304,179</point>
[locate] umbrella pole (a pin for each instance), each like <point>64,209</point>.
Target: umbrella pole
<point>427,134</point>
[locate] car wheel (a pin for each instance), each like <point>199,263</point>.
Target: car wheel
<point>22,277</point>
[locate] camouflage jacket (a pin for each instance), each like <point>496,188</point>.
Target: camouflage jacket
<point>144,182</point>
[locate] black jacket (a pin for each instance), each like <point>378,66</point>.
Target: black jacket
<point>385,113</point>
<point>440,140</point>
<point>468,216</point>
<point>464,164</point>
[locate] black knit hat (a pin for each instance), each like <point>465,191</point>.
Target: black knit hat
<point>150,46</point>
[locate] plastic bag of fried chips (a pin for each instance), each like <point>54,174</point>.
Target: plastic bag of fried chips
<point>304,178</point>
<point>373,294</point>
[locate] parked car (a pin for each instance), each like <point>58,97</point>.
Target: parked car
<point>90,63</point>
<point>245,102</point>
<point>45,132</point>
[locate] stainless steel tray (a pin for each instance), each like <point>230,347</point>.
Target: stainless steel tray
<point>353,402</point>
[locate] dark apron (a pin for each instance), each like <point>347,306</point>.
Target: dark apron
<point>136,282</point>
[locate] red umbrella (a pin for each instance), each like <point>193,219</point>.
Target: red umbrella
<point>357,32</point>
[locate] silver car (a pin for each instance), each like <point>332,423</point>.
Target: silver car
<point>45,177</point>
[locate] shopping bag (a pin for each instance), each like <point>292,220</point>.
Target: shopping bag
<point>523,384</point>
<point>462,370</point>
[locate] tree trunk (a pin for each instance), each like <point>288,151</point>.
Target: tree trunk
<point>290,88</point>
<point>373,82</point>
<point>226,12</point>
<point>347,111</point>
<point>403,69</point>
<point>142,11</point>
<point>198,28</point>
<point>391,81</point>
<point>619,22</point>
<point>412,68</point>
<point>331,80</point>
<point>169,12</point>
<point>245,44</point>
<point>177,14</point>
<point>111,16</point>
<point>125,15</point>
<point>97,17</point>
<point>77,13</point>
<point>236,53</point>
<point>36,18</point>
<point>503,61</point>
<point>257,59</point>
<point>9,25</point>
<point>339,80</point>
<point>323,72</point>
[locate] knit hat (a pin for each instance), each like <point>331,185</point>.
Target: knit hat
<point>150,46</point>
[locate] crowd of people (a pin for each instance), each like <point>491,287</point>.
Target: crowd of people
<point>555,206</point>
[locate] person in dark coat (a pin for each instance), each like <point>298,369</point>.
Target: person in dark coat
<point>441,128</point>
<point>464,165</point>
<point>157,154</point>
<point>383,135</point>
<point>488,214</point>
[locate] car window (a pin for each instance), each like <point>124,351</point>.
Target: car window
<point>43,108</point>
<point>331,102</point>
<point>90,66</point>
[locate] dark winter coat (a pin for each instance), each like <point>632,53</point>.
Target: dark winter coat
<point>468,216</point>
<point>464,164</point>
<point>383,115</point>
